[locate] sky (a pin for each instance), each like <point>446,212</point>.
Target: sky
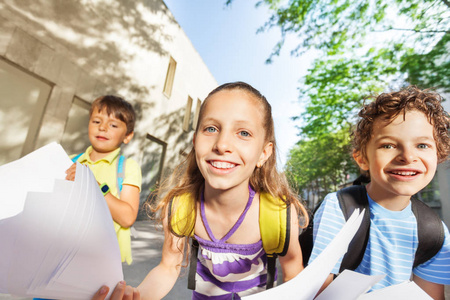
<point>226,39</point>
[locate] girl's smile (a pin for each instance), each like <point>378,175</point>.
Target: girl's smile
<point>222,165</point>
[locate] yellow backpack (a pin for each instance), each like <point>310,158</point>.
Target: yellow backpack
<point>274,224</point>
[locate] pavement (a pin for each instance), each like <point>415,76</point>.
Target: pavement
<point>146,247</point>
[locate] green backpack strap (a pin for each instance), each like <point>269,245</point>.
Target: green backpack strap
<point>274,225</point>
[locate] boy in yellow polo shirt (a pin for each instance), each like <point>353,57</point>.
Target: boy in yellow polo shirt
<point>111,123</point>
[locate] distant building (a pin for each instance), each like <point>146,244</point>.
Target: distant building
<point>56,57</point>
<point>442,179</point>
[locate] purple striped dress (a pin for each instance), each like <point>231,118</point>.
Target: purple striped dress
<point>229,271</point>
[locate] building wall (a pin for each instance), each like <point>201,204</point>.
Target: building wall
<point>87,48</point>
<point>443,177</point>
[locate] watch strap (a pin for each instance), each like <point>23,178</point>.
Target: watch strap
<point>104,188</point>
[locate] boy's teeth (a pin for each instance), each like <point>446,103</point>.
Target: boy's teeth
<point>222,165</point>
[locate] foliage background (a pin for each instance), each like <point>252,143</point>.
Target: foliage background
<point>365,48</point>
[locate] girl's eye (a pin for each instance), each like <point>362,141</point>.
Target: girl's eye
<point>244,133</point>
<point>210,129</point>
<point>423,146</point>
<point>95,121</point>
<point>114,126</point>
<point>388,146</point>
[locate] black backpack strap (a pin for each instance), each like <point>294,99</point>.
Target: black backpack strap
<point>193,264</point>
<point>272,257</point>
<point>271,262</point>
<point>306,236</point>
<point>430,232</point>
<point>350,198</point>
<point>192,258</point>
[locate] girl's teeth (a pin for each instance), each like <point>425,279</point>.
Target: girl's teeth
<point>222,165</point>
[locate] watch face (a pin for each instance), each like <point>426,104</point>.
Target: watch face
<point>105,188</point>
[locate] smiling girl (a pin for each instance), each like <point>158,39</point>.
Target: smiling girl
<point>230,169</point>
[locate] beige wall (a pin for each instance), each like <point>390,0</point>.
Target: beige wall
<point>443,177</point>
<point>87,48</point>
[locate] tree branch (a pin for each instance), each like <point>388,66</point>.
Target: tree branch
<point>415,30</point>
<point>446,2</point>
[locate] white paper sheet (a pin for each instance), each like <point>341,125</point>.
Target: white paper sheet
<point>35,172</point>
<point>306,284</point>
<point>58,238</point>
<point>349,285</point>
<point>403,291</point>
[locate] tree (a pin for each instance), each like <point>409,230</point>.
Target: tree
<point>336,87</point>
<point>316,166</point>
<point>364,48</point>
<point>419,32</point>
<point>336,25</point>
<point>429,69</point>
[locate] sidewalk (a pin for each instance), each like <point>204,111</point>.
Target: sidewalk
<point>146,249</point>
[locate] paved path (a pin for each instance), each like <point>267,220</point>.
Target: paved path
<point>146,255</point>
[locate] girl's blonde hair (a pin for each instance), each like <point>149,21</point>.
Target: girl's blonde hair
<point>187,177</point>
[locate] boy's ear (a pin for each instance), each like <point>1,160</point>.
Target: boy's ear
<point>266,153</point>
<point>128,137</point>
<point>361,161</point>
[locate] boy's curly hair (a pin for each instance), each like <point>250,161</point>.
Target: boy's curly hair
<point>390,105</point>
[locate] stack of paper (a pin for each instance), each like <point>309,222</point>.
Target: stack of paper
<point>349,285</point>
<point>306,284</point>
<point>403,291</point>
<point>57,236</point>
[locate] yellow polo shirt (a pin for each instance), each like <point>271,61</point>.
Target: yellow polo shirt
<point>105,171</point>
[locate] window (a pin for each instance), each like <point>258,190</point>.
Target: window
<point>197,111</point>
<point>187,115</point>
<point>152,163</point>
<point>168,84</point>
<point>75,139</point>
<point>22,103</point>
<point>431,195</point>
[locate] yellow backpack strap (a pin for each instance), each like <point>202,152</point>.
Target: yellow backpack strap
<point>274,224</point>
<point>182,215</point>
<point>182,219</point>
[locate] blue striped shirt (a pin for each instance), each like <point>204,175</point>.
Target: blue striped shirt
<point>391,247</point>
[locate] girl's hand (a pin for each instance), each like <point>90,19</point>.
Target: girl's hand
<point>122,291</point>
<point>70,172</point>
